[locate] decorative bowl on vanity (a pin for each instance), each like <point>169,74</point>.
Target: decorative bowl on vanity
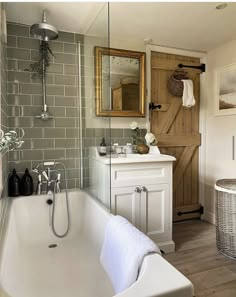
<point>142,148</point>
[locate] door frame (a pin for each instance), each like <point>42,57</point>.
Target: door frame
<point>202,116</point>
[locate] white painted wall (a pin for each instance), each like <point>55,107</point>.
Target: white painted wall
<point>219,130</point>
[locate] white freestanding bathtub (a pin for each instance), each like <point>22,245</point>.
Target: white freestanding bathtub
<point>29,268</point>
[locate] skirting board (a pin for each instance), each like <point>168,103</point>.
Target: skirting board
<point>209,217</point>
<point>167,246</point>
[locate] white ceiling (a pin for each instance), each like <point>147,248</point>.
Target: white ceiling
<point>194,25</point>
<point>66,16</point>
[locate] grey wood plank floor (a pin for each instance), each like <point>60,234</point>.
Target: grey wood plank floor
<point>196,256</point>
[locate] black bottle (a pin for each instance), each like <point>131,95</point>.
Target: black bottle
<point>26,185</point>
<point>14,184</point>
<point>103,148</point>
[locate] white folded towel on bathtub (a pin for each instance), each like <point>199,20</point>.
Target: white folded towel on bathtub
<point>123,250</point>
<point>188,97</point>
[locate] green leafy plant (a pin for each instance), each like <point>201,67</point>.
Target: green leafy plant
<point>45,54</point>
<point>135,133</point>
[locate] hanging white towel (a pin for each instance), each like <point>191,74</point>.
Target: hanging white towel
<point>188,97</point>
<point>123,250</point>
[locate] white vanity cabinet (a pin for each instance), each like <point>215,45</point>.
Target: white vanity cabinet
<point>141,206</point>
<point>141,191</point>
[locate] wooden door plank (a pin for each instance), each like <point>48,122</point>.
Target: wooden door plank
<point>166,140</point>
<point>187,177</point>
<point>182,164</point>
<point>154,86</point>
<point>187,114</point>
<point>179,194</point>
<point>179,122</point>
<point>196,110</point>
<point>170,115</point>
<point>167,64</point>
<point>195,174</point>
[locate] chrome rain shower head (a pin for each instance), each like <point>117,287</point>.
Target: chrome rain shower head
<point>44,31</point>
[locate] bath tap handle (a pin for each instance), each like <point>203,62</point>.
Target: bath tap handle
<point>49,174</point>
<point>45,175</point>
<point>39,185</point>
<point>137,190</point>
<point>58,183</point>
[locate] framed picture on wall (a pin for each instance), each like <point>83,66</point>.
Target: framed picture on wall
<point>225,90</point>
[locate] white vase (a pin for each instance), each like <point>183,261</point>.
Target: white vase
<point>153,150</point>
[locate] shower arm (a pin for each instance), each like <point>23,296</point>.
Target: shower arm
<point>44,86</point>
<point>44,114</point>
<point>44,32</point>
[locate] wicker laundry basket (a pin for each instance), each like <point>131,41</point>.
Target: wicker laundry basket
<point>226,216</point>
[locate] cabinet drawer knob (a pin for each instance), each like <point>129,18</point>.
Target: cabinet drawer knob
<point>137,190</point>
<point>144,189</point>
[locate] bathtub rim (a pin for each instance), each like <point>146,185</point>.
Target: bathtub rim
<point>155,288</point>
<point>150,266</point>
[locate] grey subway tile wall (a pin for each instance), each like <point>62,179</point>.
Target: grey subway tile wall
<point>44,140</point>
<point>56,138</point>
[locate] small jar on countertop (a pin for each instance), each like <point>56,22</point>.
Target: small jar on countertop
<point>129,148</point>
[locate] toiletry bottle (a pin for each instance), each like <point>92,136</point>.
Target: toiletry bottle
<point>103,148</point>
<point>14,184</point>
<point>129,148</point>
<point>26,184</point>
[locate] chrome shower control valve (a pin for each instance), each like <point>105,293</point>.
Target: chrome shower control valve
<point>44,116</point>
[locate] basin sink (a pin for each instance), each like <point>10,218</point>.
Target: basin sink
<point>137,158</point>
<point>130,158</point>
<point>142,156</point>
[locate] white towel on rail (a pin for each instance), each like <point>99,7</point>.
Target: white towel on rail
<point>123,250</point>
<point>188,97</point>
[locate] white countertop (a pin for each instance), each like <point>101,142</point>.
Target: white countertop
<point>133,158</point>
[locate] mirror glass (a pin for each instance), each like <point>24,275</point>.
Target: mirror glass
<point>122,72</point>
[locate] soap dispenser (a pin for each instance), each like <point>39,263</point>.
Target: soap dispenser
<point>103,148</point>
<point>26,187</point>
<point>14,184</point>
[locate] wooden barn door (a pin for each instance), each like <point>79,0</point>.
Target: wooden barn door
<point>177,130</point>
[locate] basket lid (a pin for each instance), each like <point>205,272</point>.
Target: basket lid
<point>229,184</point>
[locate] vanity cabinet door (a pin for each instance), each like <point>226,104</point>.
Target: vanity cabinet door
<point>126,202</point>
<point>156,212</point>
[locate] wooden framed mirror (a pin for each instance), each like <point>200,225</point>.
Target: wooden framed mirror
<point>120,82</point>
